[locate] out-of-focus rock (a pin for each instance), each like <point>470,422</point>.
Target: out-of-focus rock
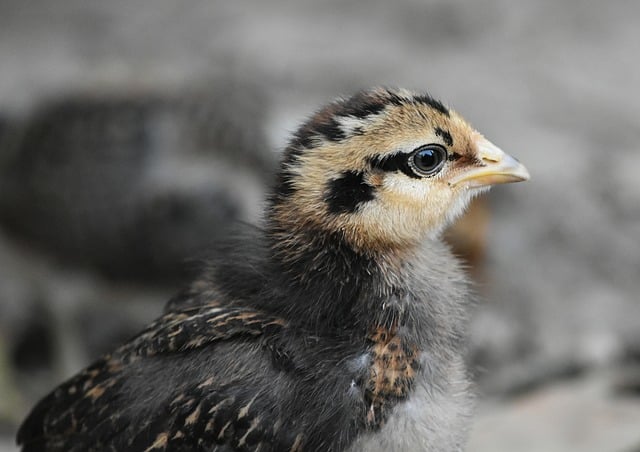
<point>132,183</point>
<point>584,414</point>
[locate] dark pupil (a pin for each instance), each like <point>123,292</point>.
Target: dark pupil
<point>427,160</point>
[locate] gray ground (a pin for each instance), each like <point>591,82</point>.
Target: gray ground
<point>553,82</point>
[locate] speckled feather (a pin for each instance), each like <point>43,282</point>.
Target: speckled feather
<point>89,412</point>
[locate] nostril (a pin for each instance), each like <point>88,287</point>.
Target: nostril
<point>489,153</point>
<point>490,159</point>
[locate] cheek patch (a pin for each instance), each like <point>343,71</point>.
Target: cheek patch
<point>344,194</point>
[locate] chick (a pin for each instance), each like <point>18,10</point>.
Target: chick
<point>337,327</point>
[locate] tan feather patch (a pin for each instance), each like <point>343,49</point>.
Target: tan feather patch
<point>391,375</point>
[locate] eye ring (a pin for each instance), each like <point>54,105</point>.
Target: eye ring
<point>427,160</point>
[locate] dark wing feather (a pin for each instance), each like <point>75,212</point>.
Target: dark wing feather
<point>164,391</point>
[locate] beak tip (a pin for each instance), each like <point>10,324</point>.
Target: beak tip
<point>512,167</point>
<point>523,173</point>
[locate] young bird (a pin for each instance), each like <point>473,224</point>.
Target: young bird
<point>338,328</point>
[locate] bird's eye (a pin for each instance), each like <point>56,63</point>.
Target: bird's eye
<point>428,160</point>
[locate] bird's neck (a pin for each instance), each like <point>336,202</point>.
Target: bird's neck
<point>334,285</point>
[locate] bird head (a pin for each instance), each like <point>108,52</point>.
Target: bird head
<point>384,170</point>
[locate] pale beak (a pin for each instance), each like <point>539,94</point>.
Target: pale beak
<point>498,168</point>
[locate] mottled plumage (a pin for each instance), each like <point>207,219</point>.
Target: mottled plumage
<point>338,327</point>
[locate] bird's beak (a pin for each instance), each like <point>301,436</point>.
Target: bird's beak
<point>499,168</point>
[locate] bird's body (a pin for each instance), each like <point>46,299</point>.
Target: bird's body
<point>339,327</point>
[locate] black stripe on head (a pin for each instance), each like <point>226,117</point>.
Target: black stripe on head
<point>301,140</point>
<point>330,129</point>
<point>326,122</point>
<point>284,185</point>
<point>399,100</point>
<point>433,103</point>
<point>362,105</point>
<point>320,126</point>
<point>284,181</point>
<point>396,99</point>
<point>345,193</point>
<point>393,162</point>
<point>446,136</point>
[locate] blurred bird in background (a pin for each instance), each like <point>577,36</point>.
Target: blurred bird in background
<point>337,326</point>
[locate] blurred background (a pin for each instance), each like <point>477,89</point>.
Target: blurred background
<point>134,133</point>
